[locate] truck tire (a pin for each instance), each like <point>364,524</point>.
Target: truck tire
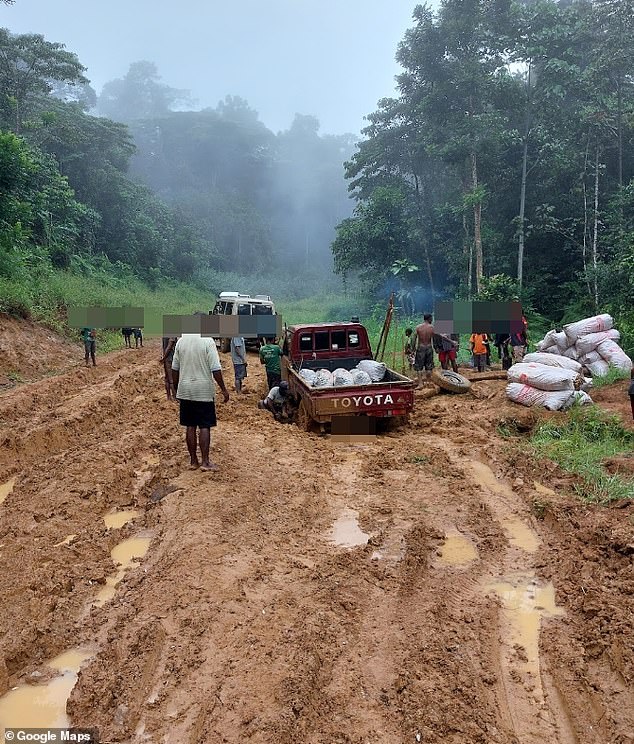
<point>225,345</point>
<point>303,419</point>
<point>450,381</point>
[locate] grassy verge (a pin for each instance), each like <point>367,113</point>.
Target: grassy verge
<point>614,375</point>
<point>580,444</point>
<point>47,296</point>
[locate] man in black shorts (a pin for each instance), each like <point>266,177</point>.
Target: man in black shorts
<point>127,332</point>
<point>424,358</point>
<point>195,366</point>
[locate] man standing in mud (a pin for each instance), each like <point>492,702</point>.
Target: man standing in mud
<point>424,358</point>
<point>195,366</point>
<point>89,337</point>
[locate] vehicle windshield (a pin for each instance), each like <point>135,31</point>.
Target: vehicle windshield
<point>262,310</point>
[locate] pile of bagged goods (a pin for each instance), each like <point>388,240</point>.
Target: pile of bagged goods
<point>366,372</point>
<point>560,372</point>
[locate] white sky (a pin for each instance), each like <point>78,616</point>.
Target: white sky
<point>330,58</point>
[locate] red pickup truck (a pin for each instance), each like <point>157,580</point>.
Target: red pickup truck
<point>340,345</point>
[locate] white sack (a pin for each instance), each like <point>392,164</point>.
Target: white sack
<point>554,349</point>
<point>323,378</point>
<point>561,340</point>
<point>591,356</point>
<point>614,355</point>
<point>595,324</point>
<point>552,360</point>
<point>547,342</point>
<point>530,396</point>
<point>586,344</point>
<point>570,352</point>
<point>341,376</point>
<point>376,370</point>
<point>308,375</point>
<point>600,368</point>
<point>359,377</point>
<point>543,377</point>
<point>580,397</point>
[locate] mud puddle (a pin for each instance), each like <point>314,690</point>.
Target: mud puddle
<point>457,550</point>
<point>44,706</point>
<point>123,555</point>
<point>6,488</point>
<point>345,532</point>
<point>525,605</point>
<point>116,519</point>
<point>518,532</point>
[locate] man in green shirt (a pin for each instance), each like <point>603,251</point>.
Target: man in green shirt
<point>270,356</point>
<point>88,337</point>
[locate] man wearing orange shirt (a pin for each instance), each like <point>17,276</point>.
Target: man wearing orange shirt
<point>478,342</point>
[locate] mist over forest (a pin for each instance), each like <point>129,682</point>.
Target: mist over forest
<point>502,166</point>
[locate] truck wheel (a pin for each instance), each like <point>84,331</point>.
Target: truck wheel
<point>225,345</point>
<point>450,381</point>
<point>304,419</point>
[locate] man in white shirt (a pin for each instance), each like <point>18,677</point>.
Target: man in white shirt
<point>195,366</point>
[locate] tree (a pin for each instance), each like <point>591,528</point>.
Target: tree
<point>375,239</point>
<point>139,95</point>
<point>30,68</point>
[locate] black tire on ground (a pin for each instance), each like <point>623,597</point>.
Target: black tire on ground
<point>450,381</point>
<point>225,345</point>
<point>303,419</point>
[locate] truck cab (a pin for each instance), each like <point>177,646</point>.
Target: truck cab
<point>327,345</point>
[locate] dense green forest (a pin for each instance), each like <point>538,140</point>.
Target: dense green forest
<point>210,198</point>
<point>508,153</point>
<point>503,166</point>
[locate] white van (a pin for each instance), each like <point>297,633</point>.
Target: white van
<point>235,303</point>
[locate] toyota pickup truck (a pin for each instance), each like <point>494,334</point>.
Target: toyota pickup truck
<point>331,346</point>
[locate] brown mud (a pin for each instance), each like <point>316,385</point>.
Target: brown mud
<point>429,585</point>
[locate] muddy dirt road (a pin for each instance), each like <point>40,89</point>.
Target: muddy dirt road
<point>428,586</point>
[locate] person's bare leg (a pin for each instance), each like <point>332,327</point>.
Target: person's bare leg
<point>419,374</point>
<point>204,439</point>
<point>190,438</point>
<point>454,365</point>
<point>169,385</point>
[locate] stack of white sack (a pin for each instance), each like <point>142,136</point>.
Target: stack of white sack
<point>365,373</point>
<point>591,342</point>
<point>552,386</point>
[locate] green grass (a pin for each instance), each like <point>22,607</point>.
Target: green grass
<point>614,375</point>
<point>580,443</point>
<point>48,294</point>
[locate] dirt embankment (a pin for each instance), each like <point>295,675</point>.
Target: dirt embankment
<point>29,351</point>
<point>481,603</point>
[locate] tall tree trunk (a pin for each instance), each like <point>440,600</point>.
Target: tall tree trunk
<point>477,223</point>
<point>467,251</point>
<point>595,231</point>
<point>419,212</point>
<point>619,129</point>
<point>522,227</point>
<point>584,245</point>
